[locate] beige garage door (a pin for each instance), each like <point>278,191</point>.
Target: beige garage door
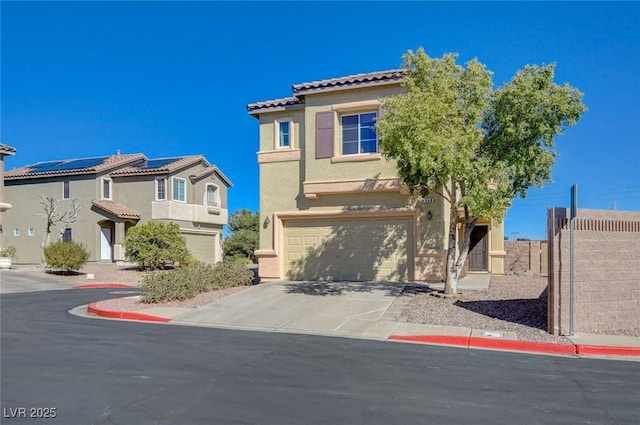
<point>202,247</point>
<point>357,250</point>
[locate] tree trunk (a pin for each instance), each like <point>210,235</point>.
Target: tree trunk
<point>469,225</point>
<point>43,245</point>
<point>451,282</point>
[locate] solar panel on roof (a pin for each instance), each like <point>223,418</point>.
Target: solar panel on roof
<point>72,164</point>
<point>158,163</point>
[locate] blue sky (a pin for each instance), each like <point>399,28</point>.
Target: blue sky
<point>168,78</point>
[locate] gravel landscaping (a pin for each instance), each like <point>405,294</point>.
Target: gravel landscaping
<point>512,303</point>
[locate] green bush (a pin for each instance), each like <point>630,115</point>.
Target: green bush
<point>66,256</point>
<point>9,251</point>
<point>186,282</point>
<point>156,245</point>
<point>167,285</point>
<point>231,273</point>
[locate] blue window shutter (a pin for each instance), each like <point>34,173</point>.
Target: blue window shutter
<point>324,134</point>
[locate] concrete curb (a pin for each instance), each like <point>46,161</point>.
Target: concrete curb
<point>520,346</point>
<point>97,311</point>
<point>102,285</point>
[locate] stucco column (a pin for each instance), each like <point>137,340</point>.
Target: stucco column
<point>118,241</point>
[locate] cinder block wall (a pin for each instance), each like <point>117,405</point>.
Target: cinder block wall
<point>525,256</point>
<point>607,271</point>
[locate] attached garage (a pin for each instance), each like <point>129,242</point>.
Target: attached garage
<point>358,249</point>
<point>202,246</point>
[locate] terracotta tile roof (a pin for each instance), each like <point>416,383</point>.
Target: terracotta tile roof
<point>72,166</point>
<point>116,209</point>
<point>208,170</point>
<point>7,150</point>
<point>357,79</point>
<point>300,90</point>
<point>275,103</point>
<point>160,165</point>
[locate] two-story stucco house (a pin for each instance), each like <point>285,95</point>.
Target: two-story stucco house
<point>115,193</point>
<point>331,206</point>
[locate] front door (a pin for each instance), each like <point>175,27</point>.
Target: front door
<point>105,243</point>
<point>478,258</point>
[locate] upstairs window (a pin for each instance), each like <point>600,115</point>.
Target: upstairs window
<point>161,189</point>
<point>106,189</point>
<point>66,192</point>
<point>284,134</point>
<point>358,134</point>
<point>179,190</point>
<point>212,195</point>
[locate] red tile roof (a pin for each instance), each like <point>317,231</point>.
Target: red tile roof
<point>173,164</point>
<point>299,90</point>
<point>107,163</point>
<point>276,103</point>
<point>208,170</point>
<point>7,150</point>
<point>116,209</point>
<point>357,79</point>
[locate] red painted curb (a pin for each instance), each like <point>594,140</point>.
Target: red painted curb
<point>462,341</point>
<point>93,309</point>
<point>529,346</point>
<point>604,350</point>
<point>102,285</point>
<point>523,346</point>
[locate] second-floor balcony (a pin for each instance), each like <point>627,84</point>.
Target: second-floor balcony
<point>169,210</point>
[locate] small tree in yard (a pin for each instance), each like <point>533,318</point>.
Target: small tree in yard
<point>453,135</point>
<point>54,216</point>
<point>243,240</point>
<point>155,245</point>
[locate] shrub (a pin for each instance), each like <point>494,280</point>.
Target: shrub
<point>167,285</point>
<point>231,273</point>
<point>156,245</point>
<point>9,251</point>
<point>186,282</point>
<point>66,256</point>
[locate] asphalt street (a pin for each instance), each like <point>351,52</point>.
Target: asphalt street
<point>94,371</point>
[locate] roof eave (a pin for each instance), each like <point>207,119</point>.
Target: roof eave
<point>347,86</point>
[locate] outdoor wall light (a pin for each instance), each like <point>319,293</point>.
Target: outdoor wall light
<point>266,222</point>
<point>429,215</point>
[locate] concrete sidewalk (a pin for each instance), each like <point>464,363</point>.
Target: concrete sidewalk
<point>357,310</point>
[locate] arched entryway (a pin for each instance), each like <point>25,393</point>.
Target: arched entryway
<point>107,230</point>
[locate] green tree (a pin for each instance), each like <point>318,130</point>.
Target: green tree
<point>244,235</point>
<point>155,245</point>
<point>453,135</point>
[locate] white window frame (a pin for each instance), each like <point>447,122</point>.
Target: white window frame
<point>216,195</point>
<point>67,184</point>
<point>157,188</point>
<point>173,187</point>
<point>277,123</point>
<point>110,194</point>
<point>358,113</point>
<point>16,232</point>
<point>31,231</point>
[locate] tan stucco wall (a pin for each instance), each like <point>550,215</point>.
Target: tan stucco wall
<point>282,184</point>
<point>135,192</point>
<point>27,212</point>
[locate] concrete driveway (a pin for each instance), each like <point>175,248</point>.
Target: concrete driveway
<point>20,280</point>
<point>349,308</point>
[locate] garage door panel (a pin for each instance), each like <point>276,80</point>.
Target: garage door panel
<point>354,249</point>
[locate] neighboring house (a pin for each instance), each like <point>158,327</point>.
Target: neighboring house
<point>4,151</point>
<point>332,208</point>
<point>116,193</point>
